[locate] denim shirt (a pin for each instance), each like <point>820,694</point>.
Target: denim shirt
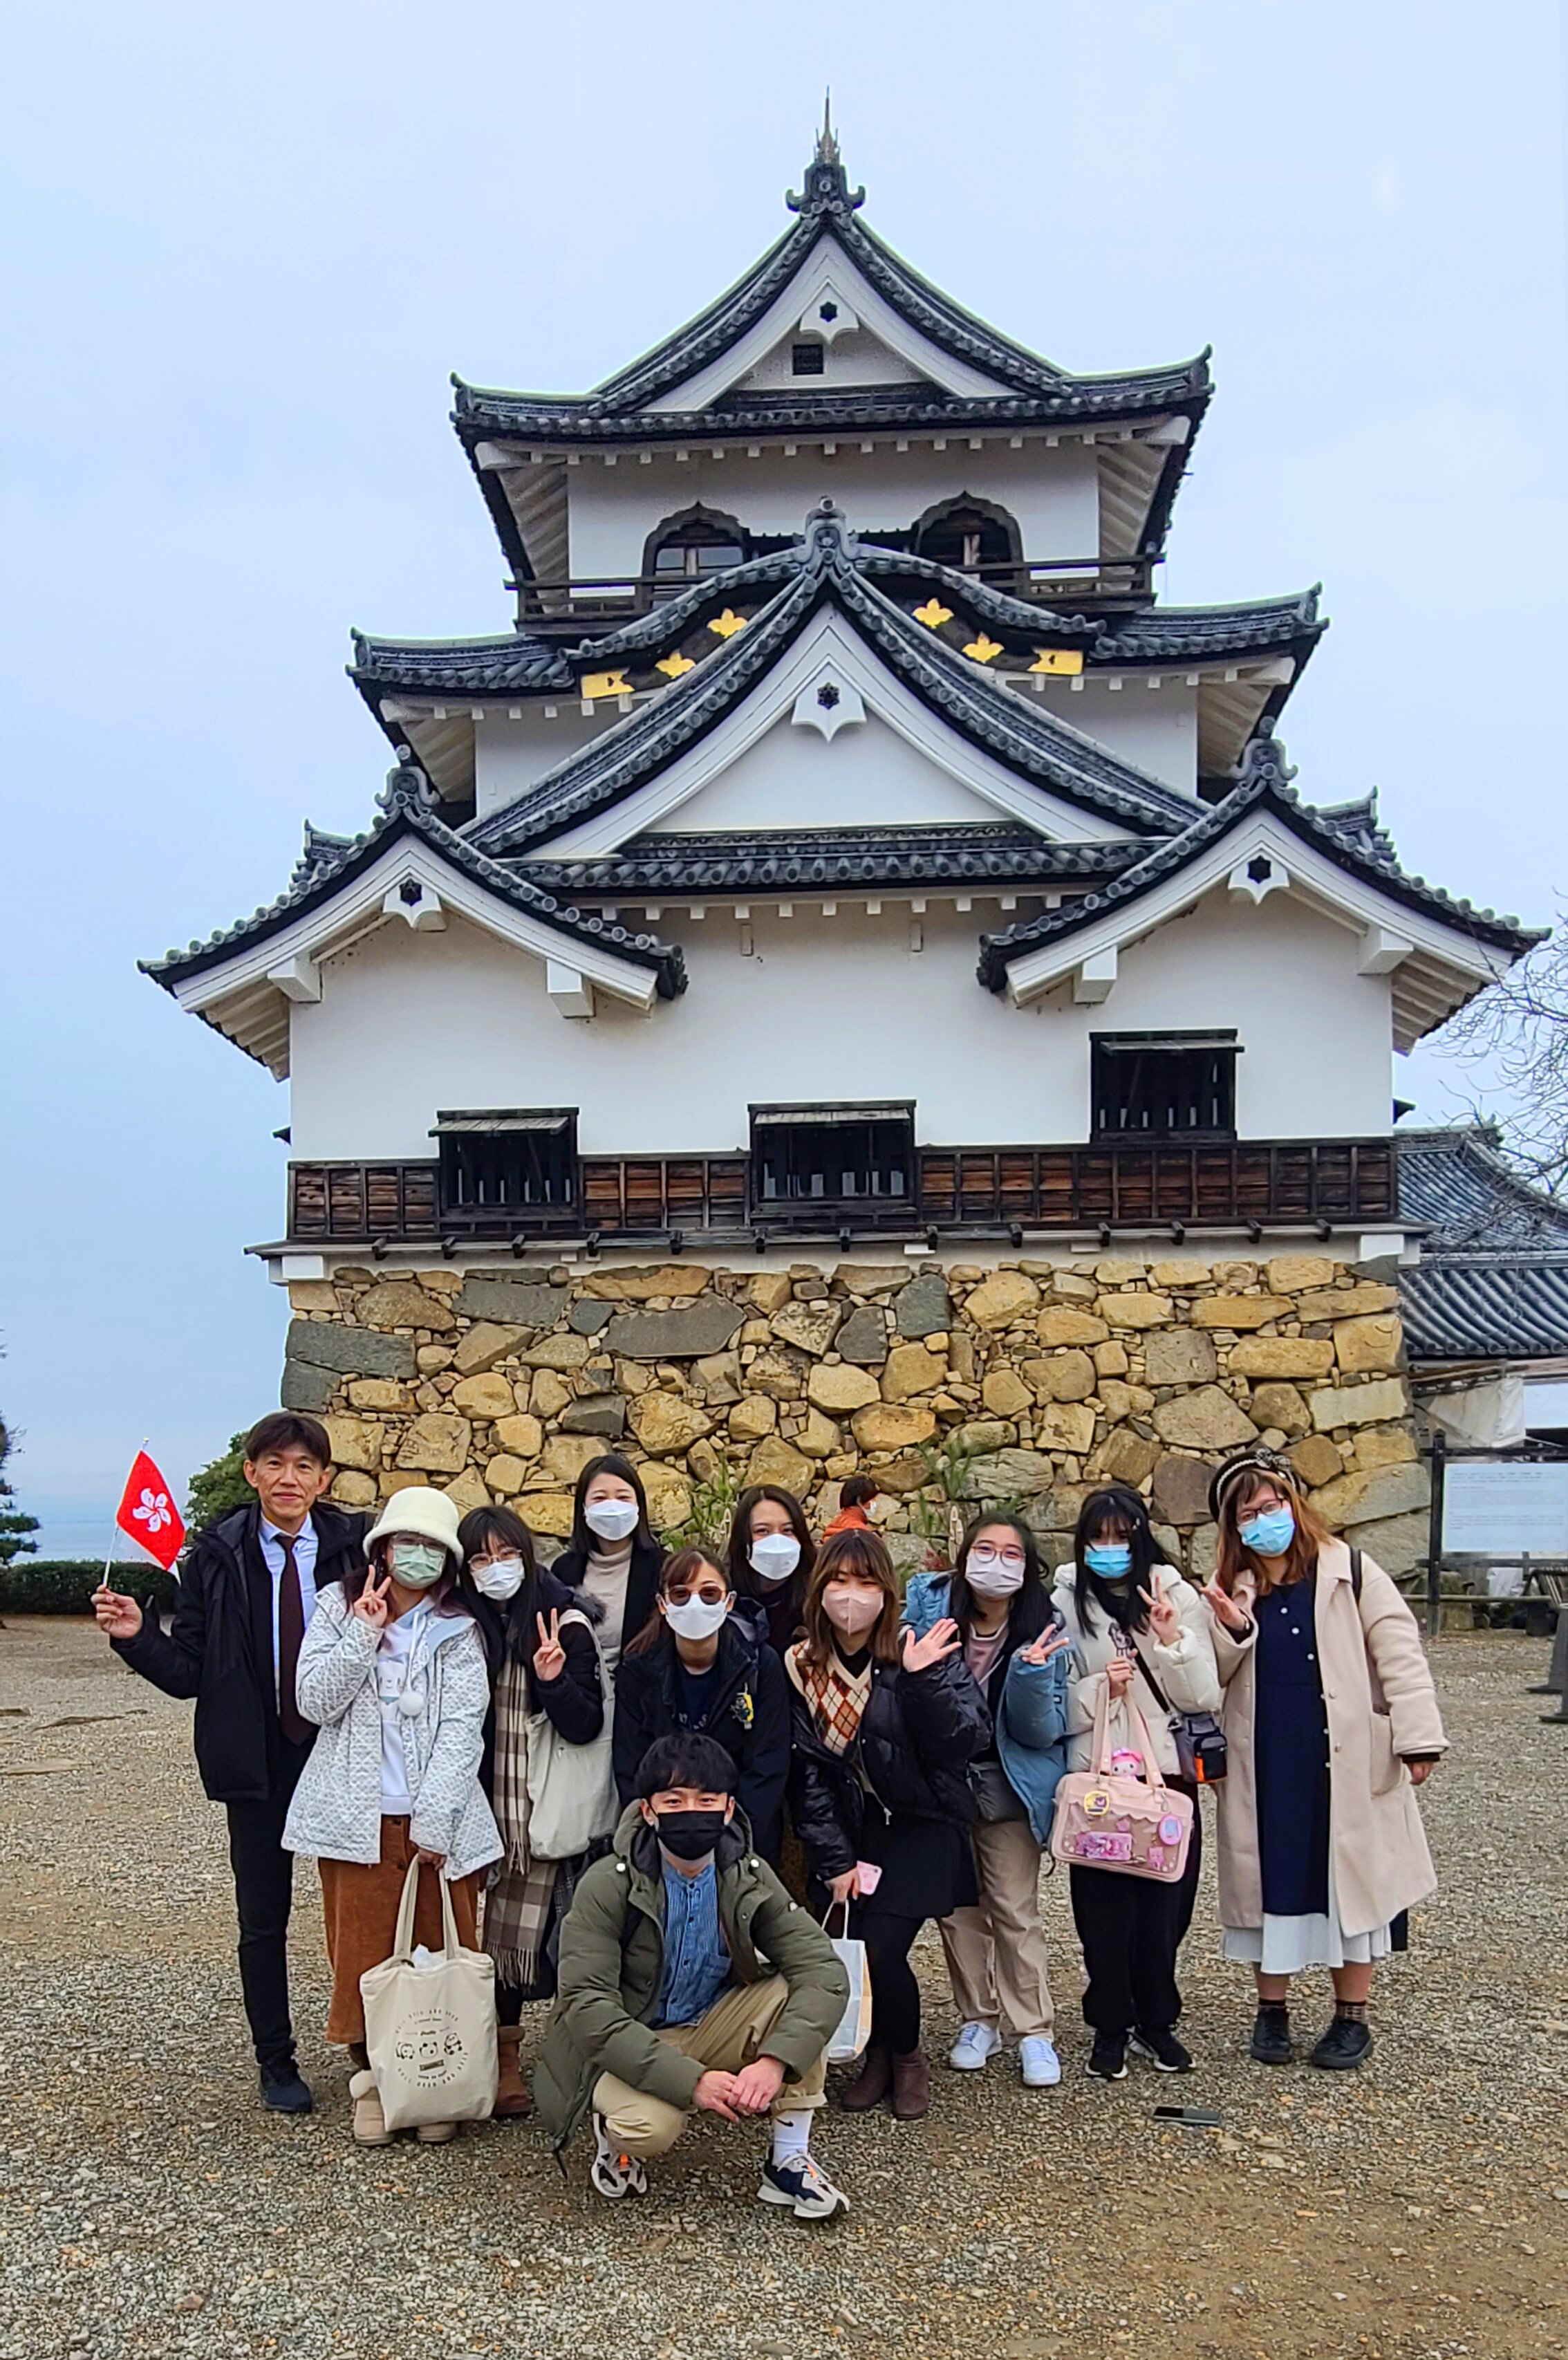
<point>696,1963</point>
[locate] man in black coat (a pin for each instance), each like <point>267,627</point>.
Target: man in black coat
<point>246,1591</point>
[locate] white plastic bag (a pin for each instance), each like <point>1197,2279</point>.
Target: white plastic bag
<point>854,2025</point>
<point>429,2028</point>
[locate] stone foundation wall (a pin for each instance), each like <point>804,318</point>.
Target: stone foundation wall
<point>1054,1376</point>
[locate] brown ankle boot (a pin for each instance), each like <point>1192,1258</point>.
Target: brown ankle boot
<point>870,2085</point>
<point>911,2086</point>
<point>511,2098</point>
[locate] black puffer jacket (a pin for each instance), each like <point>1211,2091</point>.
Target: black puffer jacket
<point>574,1703</point>
<point>918,1734</point>
<point>748,1713</point>
<point>642,1582</point>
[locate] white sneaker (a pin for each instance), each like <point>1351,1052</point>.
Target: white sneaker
<point>613,2174</point>
<point>1041,2065</point>
<point>975,2046</point>
<point>804,2186</point>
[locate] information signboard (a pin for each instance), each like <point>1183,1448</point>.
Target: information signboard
<point>1505,1508</point>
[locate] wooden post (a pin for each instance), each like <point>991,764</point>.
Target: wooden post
<point>1434,1537</point>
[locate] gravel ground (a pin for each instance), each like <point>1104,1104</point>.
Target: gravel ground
<point>1417,2211</point>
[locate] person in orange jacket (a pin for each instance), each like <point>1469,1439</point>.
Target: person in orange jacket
<point>854,1501</point>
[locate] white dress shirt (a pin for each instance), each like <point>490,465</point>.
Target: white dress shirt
<point>305,1545</point>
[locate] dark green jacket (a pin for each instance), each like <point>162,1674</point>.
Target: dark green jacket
<point>612,1971</point>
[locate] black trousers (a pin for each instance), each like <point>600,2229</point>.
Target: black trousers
<point>894,1993</point>
<point>264,1884</point>
<point>1131,1929</point>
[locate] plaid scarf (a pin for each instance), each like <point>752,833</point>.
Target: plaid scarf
<point>517,1907</point>
<point>837,1698</point>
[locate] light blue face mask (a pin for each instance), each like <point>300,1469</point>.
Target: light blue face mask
<point>1270,1534</point>
<point>1112,1560</point>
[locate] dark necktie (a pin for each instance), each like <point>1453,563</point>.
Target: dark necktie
<point>290,1632</point>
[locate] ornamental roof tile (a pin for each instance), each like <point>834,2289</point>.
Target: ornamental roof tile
<point>1347,834</point>
<point>1486,1307</point>
<point>328,863</point>
<point>837,857</point>
<point>1034,743</point>
<point>1457,1183</point>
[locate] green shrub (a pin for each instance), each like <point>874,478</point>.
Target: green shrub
<point>65,1585</point>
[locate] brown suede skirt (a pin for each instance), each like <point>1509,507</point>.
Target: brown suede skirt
<point>361,1906</point>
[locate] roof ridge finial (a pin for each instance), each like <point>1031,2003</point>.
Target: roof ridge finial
<point>827,141</point>
<point>827,189</point>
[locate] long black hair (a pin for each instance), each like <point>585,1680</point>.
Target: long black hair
<point>583,1536</point>
<point>1029,1609</point>
<point>1116,1513</point>
<point>745,1580</point>
<point>508,1628</point>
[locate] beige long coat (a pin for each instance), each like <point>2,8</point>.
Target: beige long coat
<point>1381,1706</point>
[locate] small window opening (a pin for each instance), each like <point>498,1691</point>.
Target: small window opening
<point>1154,1086</point>
<point>807,360</point>
<point>832,1156</point>
<point>510,1161</point>
<point>965,539</point>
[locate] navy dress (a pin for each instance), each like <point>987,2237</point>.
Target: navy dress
<point>1291,1743</point>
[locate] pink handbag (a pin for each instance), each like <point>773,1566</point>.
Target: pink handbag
<point>1106,1819</point>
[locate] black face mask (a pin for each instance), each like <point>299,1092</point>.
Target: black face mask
<point>690,1835</point>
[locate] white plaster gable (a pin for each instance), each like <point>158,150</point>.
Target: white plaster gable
<point>249,997</point>
<point>903,763</point>
<point>1434,967</point>
<point>828,272</point>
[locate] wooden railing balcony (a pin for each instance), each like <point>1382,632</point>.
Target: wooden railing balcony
<point>1045,581</point>
<point>958,1192</point>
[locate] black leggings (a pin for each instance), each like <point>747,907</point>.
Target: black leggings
<point>894,1993</point>
<point>1131,1928</point>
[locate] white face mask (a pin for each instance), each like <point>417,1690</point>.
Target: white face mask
<point>990,1576</point>
<point>613,1519</point>
<point>695,1618</point>
<point>500,1580</point>
<point>418,1565</point>
<point>775,1557</point>
<point>851,1612</point>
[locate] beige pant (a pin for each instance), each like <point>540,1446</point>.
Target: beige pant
<point>729,2035</point>
<point>996,1953</point>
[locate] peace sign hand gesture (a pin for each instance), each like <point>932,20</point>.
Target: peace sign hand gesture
<point>1163,1620</point>
<point>549,1655</point>
<point>1049,1643</point>
<point>1225,1608</point>
<point>371,1605</point>
<point>939,1641</point>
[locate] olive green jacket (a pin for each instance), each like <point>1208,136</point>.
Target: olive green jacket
<point>612,1973</point>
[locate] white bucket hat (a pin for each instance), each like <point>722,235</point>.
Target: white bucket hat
<point>415,1510</point>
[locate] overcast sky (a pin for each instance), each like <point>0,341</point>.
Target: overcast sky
<point>246,247</point>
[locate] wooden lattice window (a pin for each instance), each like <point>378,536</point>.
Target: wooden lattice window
<point>511,1160</point>
<point>832,1154</point>
<point>1163,1085</point>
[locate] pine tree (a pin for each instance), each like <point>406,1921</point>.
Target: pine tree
<point>218,1487</point>
<point>15,1522</point>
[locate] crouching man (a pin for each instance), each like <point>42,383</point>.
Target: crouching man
<point>689,1978</point>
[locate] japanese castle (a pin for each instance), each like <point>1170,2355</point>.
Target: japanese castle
<point>843,852</point>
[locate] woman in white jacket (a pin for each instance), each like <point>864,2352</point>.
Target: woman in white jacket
<point>1141,1636</point>
<point>392,1670</point>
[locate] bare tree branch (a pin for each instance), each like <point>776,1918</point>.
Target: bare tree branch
<point>1519,1030</point>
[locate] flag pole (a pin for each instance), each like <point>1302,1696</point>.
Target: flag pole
<point>114,1527</point>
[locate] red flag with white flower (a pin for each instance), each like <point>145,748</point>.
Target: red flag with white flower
<point>147,1512</point>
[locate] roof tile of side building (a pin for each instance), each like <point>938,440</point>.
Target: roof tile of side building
<point>328,863</point>
<point>1036,745</point>
<point>1346,834</point>
<point>1457,1183</point>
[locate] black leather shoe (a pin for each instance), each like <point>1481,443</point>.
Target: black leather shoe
<point>1272,2041</point>
<point>285,2090</point>
<point>1347,2043</point>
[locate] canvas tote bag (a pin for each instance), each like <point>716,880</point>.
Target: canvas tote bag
<point>430,2030</point>
<point>1135,1826</point>
<point>573,1796</point>
<point>855,2024</point>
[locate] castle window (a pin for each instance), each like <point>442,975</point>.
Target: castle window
<point>513,1160</point>
<point>807,360</point>
<point>693,547</point>
<point>966,538</point>
<point>1163,1085</point>
<point>832,1156</point>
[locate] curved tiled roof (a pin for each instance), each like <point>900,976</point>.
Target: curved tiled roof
<point>1033,743</point>
<point>818,858</point>
<point>1492,1281</point>
<point>1348,836</point>
<point>1457,1183</point>
<point>1486,1307</point>
<point>328,863</point>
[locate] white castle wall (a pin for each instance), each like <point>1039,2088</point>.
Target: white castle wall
<point>840,1007</point>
